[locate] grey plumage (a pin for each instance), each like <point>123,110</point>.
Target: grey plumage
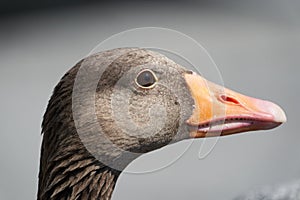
<point>68,170</point>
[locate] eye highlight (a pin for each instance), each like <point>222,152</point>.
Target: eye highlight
<point>146,79</point>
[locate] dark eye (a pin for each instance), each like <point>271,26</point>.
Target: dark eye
<point>146,79</point>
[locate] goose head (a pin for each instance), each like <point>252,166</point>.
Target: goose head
<point>116,105</point>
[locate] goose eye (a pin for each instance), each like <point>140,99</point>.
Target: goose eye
<point>146,79</point>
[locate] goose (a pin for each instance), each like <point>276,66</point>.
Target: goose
<point>89,139</point>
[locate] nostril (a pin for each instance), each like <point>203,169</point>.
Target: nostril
<point>228,99</point>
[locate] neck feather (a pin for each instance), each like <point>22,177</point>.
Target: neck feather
<point>75,175</point>
<point>67,170</point>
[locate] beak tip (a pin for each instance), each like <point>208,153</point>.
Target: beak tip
<point>278,113</point>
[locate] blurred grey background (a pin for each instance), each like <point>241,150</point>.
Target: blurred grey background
<point>256,45</point>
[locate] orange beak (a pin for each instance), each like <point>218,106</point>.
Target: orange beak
<point>220,111</point>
